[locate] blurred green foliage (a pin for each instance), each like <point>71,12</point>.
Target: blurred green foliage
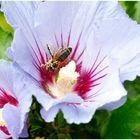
<point>6,35</point>
<point>132,8</point>
<point>5,42</point>
<point>123,122</point>
<point>4,25</point>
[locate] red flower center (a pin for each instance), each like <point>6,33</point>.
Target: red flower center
<point>87,80</point>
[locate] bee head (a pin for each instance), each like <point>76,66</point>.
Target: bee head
<point>52,66</point>
<point>70,50</point>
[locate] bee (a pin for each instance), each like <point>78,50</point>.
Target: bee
<point>57,58</point>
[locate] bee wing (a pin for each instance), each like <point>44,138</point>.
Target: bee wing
<point>62,54</point>
<point>57,54</point>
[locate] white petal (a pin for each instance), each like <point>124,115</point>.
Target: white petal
<point>114,105</point>
<point>51,106</point>
<point>23,84</point>
<point>112,89</point>
<point>114,34</point>
<point>24,133</point>
<point>47,101</point>
<point>117,38</point>
<point>3,135</point>
<point>56,18</point>
<point>130,70</point>
<point>75,110</point>
<point>78,113</point>
<point>16,118</point>
<point>21,17</point>
<point>6,79</point>
<point>24,108</point>
<point>62,19</point>
<point>23,54</point>
<point>9,53</point>
<point>18,85</point>
<point>26,42</point>
<point>24,88</point>
<point>13,81</point>
<point>27,10</point>
<point>43,98</point>
<point>12,118</point>
<point>50,115</point>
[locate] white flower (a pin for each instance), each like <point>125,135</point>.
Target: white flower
<point>105,49</point>
<point>15,101</point>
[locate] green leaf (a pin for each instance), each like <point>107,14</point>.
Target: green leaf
<point>64,136</point>
<point>60,120</point>
<point>133,87</point>
<point>5,42</point>
<point>136,131</point>
<point>137,14</point>
<point>124,122</point>
<point>130,7</point>
<point>4,25</point>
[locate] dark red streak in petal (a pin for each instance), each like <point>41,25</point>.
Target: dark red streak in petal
<point>88,78</point>
<point>6,98</point>
<point>4,129</point>
<point>69,37</point>
<point>56,40</point>
<point>62,45</point>
<point>76,48</point>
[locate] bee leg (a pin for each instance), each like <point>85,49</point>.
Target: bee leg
<point>49,51</point>
<point>43,65</point>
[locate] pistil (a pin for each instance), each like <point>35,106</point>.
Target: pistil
<point>67,77</point>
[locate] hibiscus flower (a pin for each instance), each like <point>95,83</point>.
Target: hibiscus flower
<point>15,101</point>
<point>79,54</point>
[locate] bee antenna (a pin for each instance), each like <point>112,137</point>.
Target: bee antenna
<point>49,50</point>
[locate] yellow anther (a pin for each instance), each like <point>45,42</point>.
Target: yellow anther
<point>2,122</point>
